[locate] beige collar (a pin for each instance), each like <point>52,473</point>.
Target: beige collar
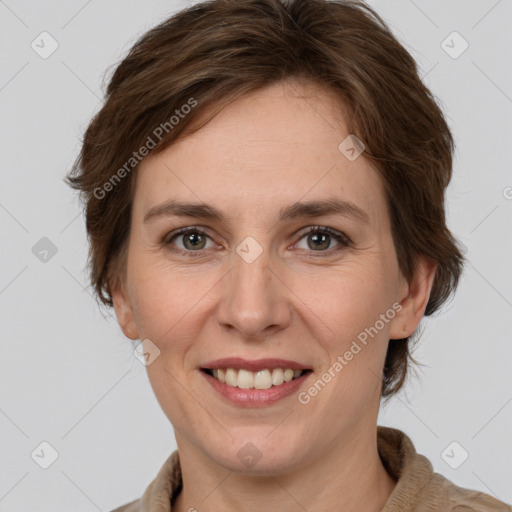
<point>418,488</point>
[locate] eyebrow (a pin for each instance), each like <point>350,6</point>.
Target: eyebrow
<point>308,209</point>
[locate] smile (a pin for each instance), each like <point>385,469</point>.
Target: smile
<point>256,383</point>
<point>262,379</point>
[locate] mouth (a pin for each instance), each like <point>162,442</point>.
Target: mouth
<point>262,379</point>
<point>254,383</point>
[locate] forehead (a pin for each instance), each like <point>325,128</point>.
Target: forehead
<point>269,148</point>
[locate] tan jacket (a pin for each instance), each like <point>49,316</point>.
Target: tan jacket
<point>418,489</point>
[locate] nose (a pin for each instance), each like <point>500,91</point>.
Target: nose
<point>254,299</point>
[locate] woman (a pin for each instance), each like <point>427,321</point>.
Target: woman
<point>264,192</point>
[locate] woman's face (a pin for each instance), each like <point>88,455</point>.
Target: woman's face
<point>256,286</point>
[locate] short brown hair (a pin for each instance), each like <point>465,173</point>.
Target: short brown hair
<point>215,52</point>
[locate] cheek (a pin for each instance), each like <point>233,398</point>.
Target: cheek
<point>355,346</point>
<point>170,303</point>
<point>349,299</point>
<point>350,304</point>
<point>159,297</point>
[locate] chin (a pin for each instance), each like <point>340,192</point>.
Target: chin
<point>259,455</point>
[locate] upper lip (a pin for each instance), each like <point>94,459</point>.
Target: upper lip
<point>254,365</point>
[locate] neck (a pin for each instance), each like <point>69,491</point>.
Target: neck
<point>349,477</point>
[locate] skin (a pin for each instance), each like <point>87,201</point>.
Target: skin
<point>262,152</point>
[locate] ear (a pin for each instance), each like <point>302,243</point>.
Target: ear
<point>413,300</point>
<point>124,310</point>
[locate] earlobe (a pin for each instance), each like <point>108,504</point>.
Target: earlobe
<point>414,300</point>
<point>124,311</point>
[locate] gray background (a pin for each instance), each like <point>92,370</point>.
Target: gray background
<point>69,377</point>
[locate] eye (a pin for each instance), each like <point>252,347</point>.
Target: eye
<point>193,240</point>
<point>320,238</point>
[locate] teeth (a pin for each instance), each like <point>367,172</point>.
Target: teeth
<point>231,377</point>
<point>277,377</point>
<point>262,379</point>
<point>245,379</point>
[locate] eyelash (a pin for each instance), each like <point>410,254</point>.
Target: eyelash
<point>341,238</point>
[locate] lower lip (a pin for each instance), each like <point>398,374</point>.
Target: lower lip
<point>255,397</point>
